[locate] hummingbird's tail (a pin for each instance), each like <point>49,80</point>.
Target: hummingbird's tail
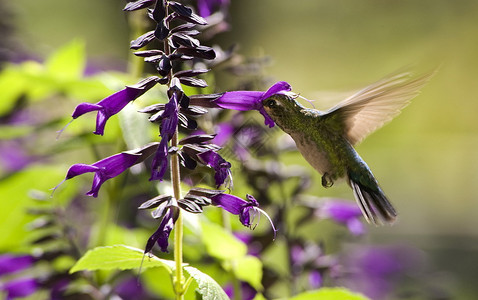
<point>374,204</point>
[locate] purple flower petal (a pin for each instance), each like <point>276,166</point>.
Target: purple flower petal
<point>247,210</point>
<point>355,226</point>
<point>206,7</point>
<point>169,117</point>
<point>251,100</point>
<point>114,103</point>
<point>343,212</point>
<point>229,203</point>
<point>20,288</point>
<point>240,100</point>
<point>277,88</point>
<point>267,119</point>
<point>219,164</point>
<point>160,161</point>
<point>340,211</point>
<point>110,167</point>
<point>315,279</point>
<point>224,133</point>
<point>161,235</point>
<point>11,264</point>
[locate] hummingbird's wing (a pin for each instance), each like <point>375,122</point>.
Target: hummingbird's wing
<point>375,105</point>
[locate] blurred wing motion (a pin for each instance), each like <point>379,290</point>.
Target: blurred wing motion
<point>377,104</point>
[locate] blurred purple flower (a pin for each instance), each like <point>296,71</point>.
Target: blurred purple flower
<point>315,279</point>
<point>11,264</point>
<point>245,100</point>
<point>247,291</point>
<point>224,131</point>
<point>114,103</point>
<point>130,289</point>
<point>13,156</point>
<point>343,212</point>
<point>220,166</point>
<point>378,271</point>
<point>110,167</point>
<point>17,288</point>
<point>253,248</point>
<point>207,7</point>
<point>247,210</point>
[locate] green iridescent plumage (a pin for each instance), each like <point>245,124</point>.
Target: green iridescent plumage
<point>326,139</point>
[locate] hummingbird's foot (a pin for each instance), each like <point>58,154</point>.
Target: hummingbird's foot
<point>327,181</point>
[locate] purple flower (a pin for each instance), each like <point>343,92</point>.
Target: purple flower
<point>110,167</point>
<point>247,210</point>
<point>131,288</point>
<point>19,287</point>
<point>114,103</point>
<point>343,212</point>
<point>161,235</point>
<point>219,164</point>
<point>378,271</point>
<point>169,121</point>
<point>206,7</point>
<point>224,132</point>
<point>247,291</point>
<point>247,100</point>
<point>13,156</point>
<point>11,264</point>
<point>315,279</point>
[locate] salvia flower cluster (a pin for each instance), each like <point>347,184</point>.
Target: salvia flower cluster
<point>176,28</point>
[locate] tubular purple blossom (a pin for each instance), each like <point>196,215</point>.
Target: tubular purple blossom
<point>114,103</point>
<point>18,288</point>
<point>220,166</point>
<point>241,207</point>
<point>161,235</point>
<point>11,264</point>
<point>110,167</point>
<point>251,100</point>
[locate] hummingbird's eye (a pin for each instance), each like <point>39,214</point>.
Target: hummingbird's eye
<point>271,103</point>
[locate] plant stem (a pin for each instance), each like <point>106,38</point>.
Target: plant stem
<point>178,279</point>
<point>178,228</point>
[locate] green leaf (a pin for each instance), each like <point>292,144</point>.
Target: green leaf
<point>249,269</point>
<point>207,287</point>
<point>220,243</point>
<point>329,294</point>
<point>68,62</point>
<point>119,257</point>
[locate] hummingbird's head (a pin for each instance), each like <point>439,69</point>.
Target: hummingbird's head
<point>282,109</point>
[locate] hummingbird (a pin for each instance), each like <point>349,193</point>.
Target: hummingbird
<point>326,139</point>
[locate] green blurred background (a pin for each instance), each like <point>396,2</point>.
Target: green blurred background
<point>426,159</point>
